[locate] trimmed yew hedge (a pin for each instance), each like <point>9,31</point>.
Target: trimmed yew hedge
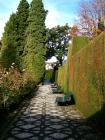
<point>86,77</point>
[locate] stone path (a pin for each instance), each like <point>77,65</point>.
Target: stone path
<point>44,120</point>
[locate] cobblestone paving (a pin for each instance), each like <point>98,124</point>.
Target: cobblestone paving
<point>44,120</point>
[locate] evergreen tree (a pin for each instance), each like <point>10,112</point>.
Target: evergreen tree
<point>22,15</point>
<point>35,41</point>
<point>8,50</point>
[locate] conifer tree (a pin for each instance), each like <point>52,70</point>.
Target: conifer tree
<point>8,50</point>
<point>35,41</point>
<point>22,15</point>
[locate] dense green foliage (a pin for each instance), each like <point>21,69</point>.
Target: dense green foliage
<point>22,54</point>
<point>34,51</point>
<point>22,23</point>
<point>49,75</point>
<point>24,39</point>
<point>63,76</point>
<point>13,40</point>
<point>8,50</point>
<point>13,87</point>
<point>78,43</point>
<point>57,42</point>
<point>86,72</point>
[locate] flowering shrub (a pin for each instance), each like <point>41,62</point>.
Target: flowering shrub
<point>13,86</point>
<point>28,87</point>
<point>10,81</point>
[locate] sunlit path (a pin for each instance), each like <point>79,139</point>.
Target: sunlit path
<point>44,120</point>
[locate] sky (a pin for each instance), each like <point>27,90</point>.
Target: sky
<point>60,12</point>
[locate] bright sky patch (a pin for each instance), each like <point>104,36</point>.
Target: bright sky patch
<point>60,11</point>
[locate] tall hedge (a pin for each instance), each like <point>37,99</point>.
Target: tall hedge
<point>78,43</point>
<point>87,79</point>
<point>63,73</point>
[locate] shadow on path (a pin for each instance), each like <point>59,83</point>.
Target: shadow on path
<point>44,120</point>
<point>99,119</point>
<point>48,127</point>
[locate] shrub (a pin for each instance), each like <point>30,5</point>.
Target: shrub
<point>13,86</point>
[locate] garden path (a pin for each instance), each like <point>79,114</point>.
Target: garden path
<point>44,120</point>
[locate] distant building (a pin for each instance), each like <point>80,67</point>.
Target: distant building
<point>50,63</point>
<point>70,41</point>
